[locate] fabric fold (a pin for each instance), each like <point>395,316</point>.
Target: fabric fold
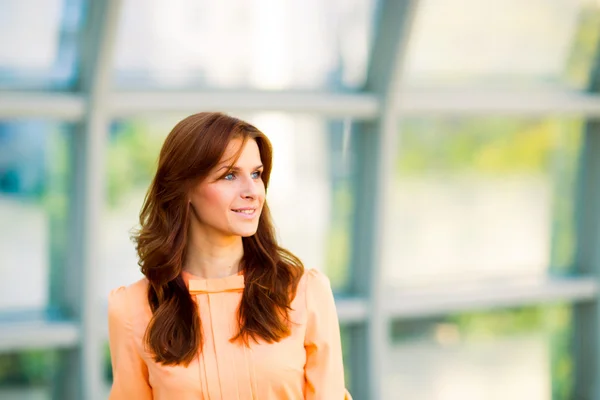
<point>196,285</point>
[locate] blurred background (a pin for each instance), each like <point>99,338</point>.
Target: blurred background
<point>439,160</point>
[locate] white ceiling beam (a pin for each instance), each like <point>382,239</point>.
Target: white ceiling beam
<point>459,102</point>
<point>18,336</point>
<point>331,105</point>
<point>452,299</point>
<point>467,102</point>
<point>59,106</point>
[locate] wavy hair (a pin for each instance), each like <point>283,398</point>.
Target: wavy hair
<point>190,151</point>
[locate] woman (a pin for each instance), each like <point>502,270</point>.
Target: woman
<point>223,312</point>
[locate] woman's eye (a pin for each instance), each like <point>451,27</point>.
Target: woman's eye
<point>229,177</point>
<point>256,174</point>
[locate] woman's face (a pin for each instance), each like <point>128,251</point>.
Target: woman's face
<point>230,203</point>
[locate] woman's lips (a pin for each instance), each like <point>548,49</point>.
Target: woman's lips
<point>247,213</point>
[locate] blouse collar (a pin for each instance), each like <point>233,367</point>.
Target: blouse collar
<point>197,285</point>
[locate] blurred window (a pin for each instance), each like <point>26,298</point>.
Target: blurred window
<point>28,375</point>
<point>35,181</point>
<point>492,355</point>
<point>261,44</point>
<point>482,198</point>
<point>509,43</point>
<point>39,43</point>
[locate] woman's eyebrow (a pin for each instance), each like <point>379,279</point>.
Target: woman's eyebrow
<point>235,168</point>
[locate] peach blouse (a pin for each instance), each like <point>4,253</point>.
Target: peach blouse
<point>305,365</point>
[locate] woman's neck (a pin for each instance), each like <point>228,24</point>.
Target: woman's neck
<point>210,258</point>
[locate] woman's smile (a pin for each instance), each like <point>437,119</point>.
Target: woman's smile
<point>246,212</point>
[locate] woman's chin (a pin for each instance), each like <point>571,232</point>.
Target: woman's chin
<point>245,232</point>
<point>248,233</point>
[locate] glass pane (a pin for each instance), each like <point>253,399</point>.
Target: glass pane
<point>309,193</point>
<point>465,188</point>
<point>27,375</point>
<point>38,43</point>
<point>508,43</point>
<point>493,355</point>
<point>262,44</point>
<point>35,167</point>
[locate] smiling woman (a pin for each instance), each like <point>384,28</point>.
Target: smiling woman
<point>230,200</point>
<point>223,311</point>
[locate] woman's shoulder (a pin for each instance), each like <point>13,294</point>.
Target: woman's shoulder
<point>313,274</point>
<point>313,284</point>
<point>129,300</point>
<point>313,279</point>
<point>318,287</point>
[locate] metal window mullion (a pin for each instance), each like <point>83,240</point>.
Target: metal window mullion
<point>79,375</point>
<point>586,337</point>
<point>377,148</point>
<point>96,140</point>
<point>586,326</point>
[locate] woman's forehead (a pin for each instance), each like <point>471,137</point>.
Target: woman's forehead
<point>240,156</point>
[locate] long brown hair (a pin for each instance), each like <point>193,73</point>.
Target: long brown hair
<point>190,151</point>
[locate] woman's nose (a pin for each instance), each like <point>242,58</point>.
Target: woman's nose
<point>250,188</point>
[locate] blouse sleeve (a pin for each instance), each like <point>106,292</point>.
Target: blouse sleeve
<point>324,370</point>
<point>130,373</point>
